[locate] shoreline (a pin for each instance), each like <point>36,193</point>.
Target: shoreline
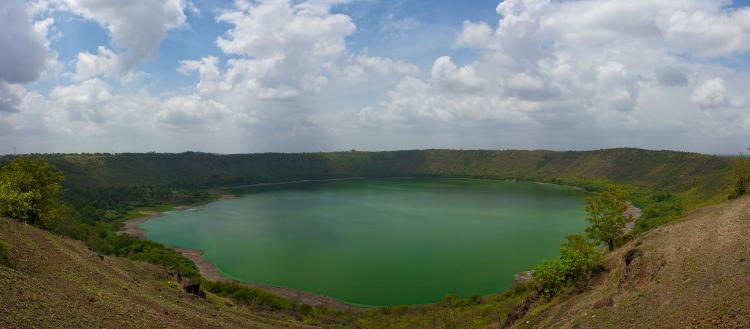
<point>209,271</point>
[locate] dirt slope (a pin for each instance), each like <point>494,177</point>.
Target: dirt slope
<point>692,274</point>
<point>59,283</point>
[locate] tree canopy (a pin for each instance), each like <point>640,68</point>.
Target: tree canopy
<point>605,211</point>
<point>30,190</point>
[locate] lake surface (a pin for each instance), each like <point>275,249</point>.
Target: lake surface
<point>380,242</point>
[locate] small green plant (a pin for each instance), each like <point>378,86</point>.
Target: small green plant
<point>5,259</point>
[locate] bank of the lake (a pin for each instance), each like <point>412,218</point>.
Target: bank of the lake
<point>406,241</point>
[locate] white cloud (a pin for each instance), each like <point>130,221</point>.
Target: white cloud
<point>24,54</point>
<point>561,74</point>
<point>284,46</point>
<point>359,68</point>
<point>591,68</point>
<point>137,29</point>
<point>709,33</point>
<point>452,79</point>
<point>711,94</point>
<point>475,35</point>
<point>89,65</point>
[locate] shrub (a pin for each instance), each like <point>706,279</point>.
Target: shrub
<point>578,260</point>
<point>252,297</point>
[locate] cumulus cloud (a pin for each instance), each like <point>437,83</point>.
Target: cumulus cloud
<point>284,46</point>
<point>359,68</point>
<point>600,66</point>
<point>24,54</point>
<point>562,74</point>
<point>23,47</point>
<point>711,94</point>
<point>137,29</point>
<point>475,35</point>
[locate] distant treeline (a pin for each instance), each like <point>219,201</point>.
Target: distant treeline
<point>663,170</point>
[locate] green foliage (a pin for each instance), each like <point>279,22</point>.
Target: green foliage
<point>30,190</point>
<point>5,259</point>
<point>101,237</point>
<point>110,204</point>
<point>604,210</point>
<point>740,177</point>
<point>658,208</point>
<point>578,260</point>
<point>255,298</point>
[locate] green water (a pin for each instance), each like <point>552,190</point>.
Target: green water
<point>380,242</point>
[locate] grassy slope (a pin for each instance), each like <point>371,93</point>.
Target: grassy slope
<point>691,274</point>
<point>676,171</point>
<point>58,283</point>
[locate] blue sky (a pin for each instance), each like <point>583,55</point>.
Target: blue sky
<point>310,75</point>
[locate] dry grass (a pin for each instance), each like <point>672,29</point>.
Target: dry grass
<point>691,274</point>
<point>59,283</point>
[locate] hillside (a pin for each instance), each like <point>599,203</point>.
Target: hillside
<point>59,283</point>
<point>666,170</point>
<point>691,274</point>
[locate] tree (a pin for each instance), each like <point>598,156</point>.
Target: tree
<point>604,210</point>
<point>30,190</point>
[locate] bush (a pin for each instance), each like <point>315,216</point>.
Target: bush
<point>251,297</point>
<point>578,260</point>
<point>5,259</point>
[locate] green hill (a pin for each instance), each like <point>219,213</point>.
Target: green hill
<point>668,170</point>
